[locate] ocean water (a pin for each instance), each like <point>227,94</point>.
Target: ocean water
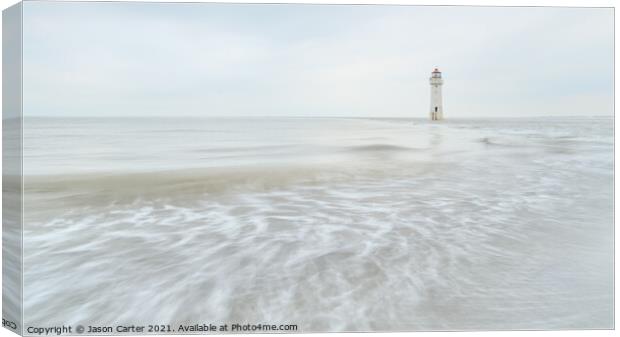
<point>333,224</point>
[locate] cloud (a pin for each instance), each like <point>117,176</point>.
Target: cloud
<point>143,59</point>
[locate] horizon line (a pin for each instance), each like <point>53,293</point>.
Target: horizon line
<point>303,116</point>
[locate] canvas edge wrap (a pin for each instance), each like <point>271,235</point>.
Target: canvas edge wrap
<point>12,177</point>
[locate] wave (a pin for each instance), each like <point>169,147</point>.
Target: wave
<point>494,141</point>
<point>257,149</point>
<point>126,187</point>
<point>381,148</point>
<point>188,183</point>
<point>508,141</point>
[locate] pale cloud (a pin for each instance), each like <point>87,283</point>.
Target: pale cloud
<point>143,59</point>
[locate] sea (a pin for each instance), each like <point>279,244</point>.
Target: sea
<point>329,224</point>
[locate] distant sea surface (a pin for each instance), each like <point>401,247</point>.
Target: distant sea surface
<point>333,224</point>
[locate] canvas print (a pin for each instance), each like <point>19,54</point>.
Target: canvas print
<point>230,168</point>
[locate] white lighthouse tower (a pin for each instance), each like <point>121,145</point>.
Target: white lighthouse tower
<point>436,102</point>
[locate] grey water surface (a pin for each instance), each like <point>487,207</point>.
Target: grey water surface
<point>333,224</point>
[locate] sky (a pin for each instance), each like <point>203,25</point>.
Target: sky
<point>198,59</point>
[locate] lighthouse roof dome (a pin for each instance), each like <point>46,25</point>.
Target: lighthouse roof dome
<point>436,70</point>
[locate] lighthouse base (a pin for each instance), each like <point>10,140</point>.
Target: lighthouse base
<point>436,116</point>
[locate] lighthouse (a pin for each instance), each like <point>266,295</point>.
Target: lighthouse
<point>436,103</point>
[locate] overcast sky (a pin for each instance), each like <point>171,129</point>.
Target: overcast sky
<point>158,59</point>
